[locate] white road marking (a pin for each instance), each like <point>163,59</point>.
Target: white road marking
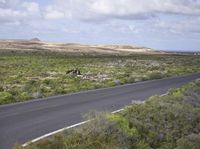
<point>164,94</point>
<point>117,111</point>
<point>62,129</point>
<point>55,132</point>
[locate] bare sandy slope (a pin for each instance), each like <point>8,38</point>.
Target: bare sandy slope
<point>36,45</point>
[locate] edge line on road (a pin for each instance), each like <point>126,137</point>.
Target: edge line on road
<point>54,132</point>
<point>62,129</point>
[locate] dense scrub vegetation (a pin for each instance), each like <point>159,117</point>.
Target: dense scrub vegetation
<point>168,122</point>
<point>25,76</point>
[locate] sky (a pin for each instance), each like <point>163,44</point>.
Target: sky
<point>158,24</point>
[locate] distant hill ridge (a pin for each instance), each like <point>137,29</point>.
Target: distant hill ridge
<point>35,44</point>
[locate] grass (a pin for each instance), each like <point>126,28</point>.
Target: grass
<point>25,76</point>
<point>168,122</point>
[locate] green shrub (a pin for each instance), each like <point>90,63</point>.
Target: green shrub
<point>24,96</point>
<point>5,97</point>
<point>189,142</point>
<point>1,89</point>
<point>123,124</point>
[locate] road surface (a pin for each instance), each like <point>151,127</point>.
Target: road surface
<point>22,122</point>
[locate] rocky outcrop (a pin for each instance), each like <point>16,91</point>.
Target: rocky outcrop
<point>74,72</point>
<point>35,39</point>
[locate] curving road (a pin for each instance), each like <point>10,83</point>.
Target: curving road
<point>22,122</point>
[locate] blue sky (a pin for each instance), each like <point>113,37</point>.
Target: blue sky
<point>159,24</point>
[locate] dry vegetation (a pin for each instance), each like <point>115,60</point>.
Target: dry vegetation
<point>26,75</point>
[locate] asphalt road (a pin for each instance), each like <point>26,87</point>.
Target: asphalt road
<point>22,122</point>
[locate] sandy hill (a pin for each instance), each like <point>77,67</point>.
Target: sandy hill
<point>36,45</point>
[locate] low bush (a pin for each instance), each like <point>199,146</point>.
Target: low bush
<point>191,141</point>
<point>5,97</point>
<point>46,72</point>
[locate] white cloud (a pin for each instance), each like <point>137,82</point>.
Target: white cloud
<point>10,3</point>
<point>51,13</point>
<point>9,15</point>
<point>18,11</point>
<point>3,1</point>
<point>125,9</point>
<point>184,26</point>
<point>31,7</point>
<point>122,28</point>
<point>101,10</point>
